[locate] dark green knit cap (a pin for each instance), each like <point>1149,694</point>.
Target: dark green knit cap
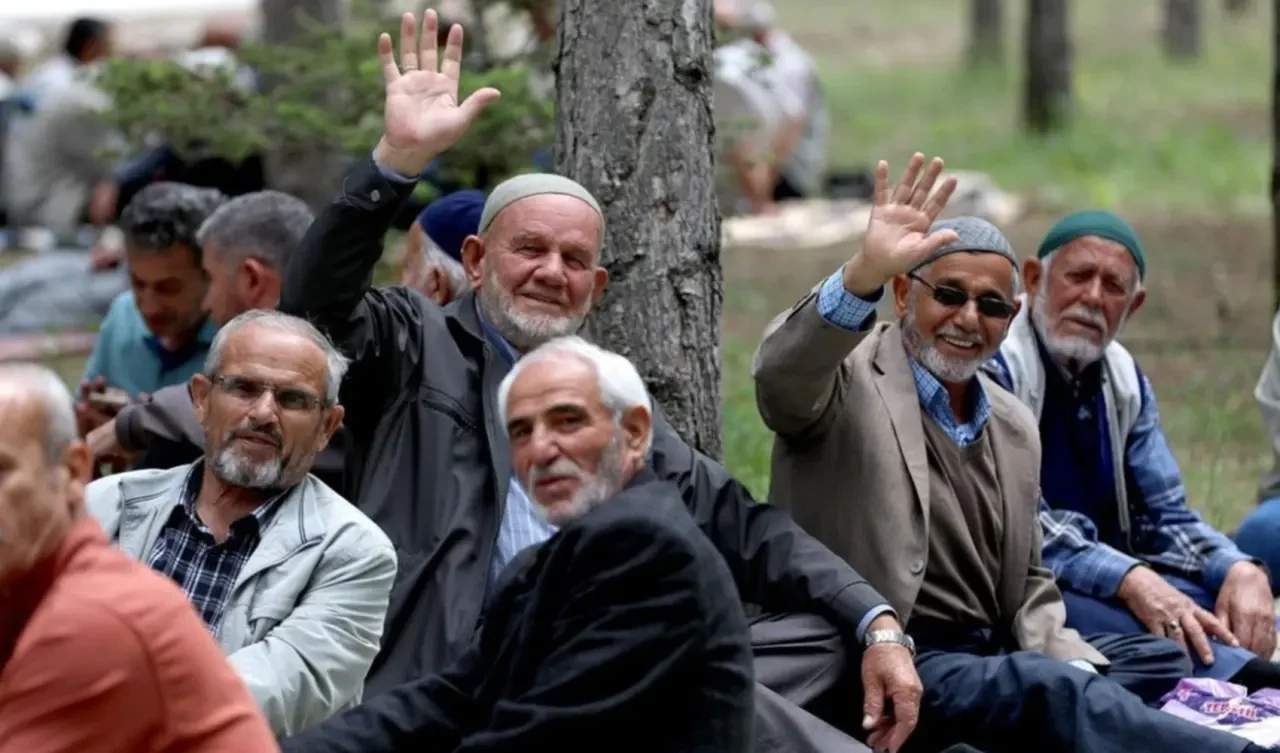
<point>1094,222</point>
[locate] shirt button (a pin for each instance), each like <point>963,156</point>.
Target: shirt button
<point>375,195</point>
<point>917,566</point>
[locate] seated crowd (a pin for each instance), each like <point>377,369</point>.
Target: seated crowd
<point>431,517</point>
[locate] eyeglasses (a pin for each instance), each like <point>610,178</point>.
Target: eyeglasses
<point>250,390</point>
<point>989,304</point>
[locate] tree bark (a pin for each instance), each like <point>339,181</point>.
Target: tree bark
<point>311,174</point>
<point>1275,154</point>
<point>1047,91</point>
<point>633,100</point>
<point>1181,33</point>
<point>986,32</point>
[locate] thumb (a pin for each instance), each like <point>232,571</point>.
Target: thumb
<point>937,240</point>
<point>873,700</point>
<point>474,105</point>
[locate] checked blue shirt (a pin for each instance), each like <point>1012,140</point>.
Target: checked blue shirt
<point>204,569</point>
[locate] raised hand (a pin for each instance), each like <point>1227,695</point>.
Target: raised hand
<point>898,237</point>
<point>422,115</point>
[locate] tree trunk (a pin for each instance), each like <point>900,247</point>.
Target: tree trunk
<point>1275,154</point>
<point>1237,7</point>
<point>1181,35</point>
<point>308,174</point>
<point>986,32</point>
<point>1047,96</point>
<point>633,99</point>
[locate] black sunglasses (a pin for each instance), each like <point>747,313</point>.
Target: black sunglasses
<point>989,304</point>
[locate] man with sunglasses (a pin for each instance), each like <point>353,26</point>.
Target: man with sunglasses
<point>1128,552</point>
<point>897,453</point>
<point>291,579</point>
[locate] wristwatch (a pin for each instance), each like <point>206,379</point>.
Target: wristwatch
<point>873,637</point>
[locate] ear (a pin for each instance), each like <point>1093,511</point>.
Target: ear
<point>601,279</point>
<point>473,251</point>
<point>437,287</point>
<point>76,471</point>
<point>200,387</point>
<point>332,420</point>
<point>261,284</point>
<point>1138,300</point>
<point>637,426</point>
<point>901,291</point>
<point>1032,270</point>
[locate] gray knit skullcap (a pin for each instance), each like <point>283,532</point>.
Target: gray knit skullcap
<point>976,236</point>
<point>520,187</point>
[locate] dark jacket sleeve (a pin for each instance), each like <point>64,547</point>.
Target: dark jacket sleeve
<point>167,415</point>
<point>631,614</point>
<point>329,281</point>
<point>425,716</point>
<point>776,565</point>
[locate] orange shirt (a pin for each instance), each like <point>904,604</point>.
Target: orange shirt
<point>105,656</point>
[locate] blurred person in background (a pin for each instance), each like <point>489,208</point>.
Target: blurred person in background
<point>432,262</point>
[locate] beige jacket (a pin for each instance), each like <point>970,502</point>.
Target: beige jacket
<point>851,465</point>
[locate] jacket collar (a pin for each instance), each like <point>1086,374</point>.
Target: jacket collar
<point>147,501</point>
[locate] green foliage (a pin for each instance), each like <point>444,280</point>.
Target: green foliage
<point>324,90</point>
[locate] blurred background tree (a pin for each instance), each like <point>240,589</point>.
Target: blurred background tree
<point>319,102</point>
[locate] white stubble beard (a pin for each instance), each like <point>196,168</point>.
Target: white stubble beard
<point>524,331</point>
<point>595,490</point>
<point>1072,348</point>
<point>945,368</point>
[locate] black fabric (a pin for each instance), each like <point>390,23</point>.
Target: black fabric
<point>1257,674</point>
<point>429,460</point>
<point>623,631</point>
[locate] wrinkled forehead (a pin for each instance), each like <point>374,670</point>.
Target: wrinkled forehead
<point>1099,253</point>
<point>282,358</point>
<point>974,271</point>
<point>554,217</point>
<point>556,380</point>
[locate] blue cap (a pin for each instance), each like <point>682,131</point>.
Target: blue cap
<point>448,220</point>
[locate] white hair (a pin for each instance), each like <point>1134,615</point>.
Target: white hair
<point>335,363</point>
<point>621,387</point>
<point>432,256</point>
<point>55,403</point>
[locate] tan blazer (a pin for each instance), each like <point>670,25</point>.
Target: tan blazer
<point>851,465</point>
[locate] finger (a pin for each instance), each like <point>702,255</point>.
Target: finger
<point>898,736</point>
<point>1223,613</point>
<point>878,738</point>
<point>881,194</point>
<point>408,43</point>
<point>921,191</point>
<point>390,71</point>
<point>872,702</point>
<point>474,105</point>
<point>902,193</point>
<point>452,66</point>
<point>429,42</point>
<point>932,242</point>
<point>936,203</point>
<point>1196,638</point>
<point>1215,628</point>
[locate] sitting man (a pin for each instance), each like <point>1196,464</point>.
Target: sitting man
<point>902,458</point>
<point>625,625</point>
<point>246,245</point>
<point>157,334</point>
<point>291,579</point>
<point>432,262</point>
<point>429,458</point>
<point>1125,548</point>
<point>97,653</point>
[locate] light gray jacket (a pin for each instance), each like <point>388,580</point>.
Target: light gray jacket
<point>306,613</point>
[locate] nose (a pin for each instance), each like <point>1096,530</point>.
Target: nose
<point>542,447</point>
<point>966,317</point>
<point>263,409</point>
<point>1092,294</point>
<point>550,271</point>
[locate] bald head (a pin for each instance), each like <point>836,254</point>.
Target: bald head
<point>41,403</point>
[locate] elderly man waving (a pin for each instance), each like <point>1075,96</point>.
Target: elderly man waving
<point>1128,552</point>
<point>894,450</point>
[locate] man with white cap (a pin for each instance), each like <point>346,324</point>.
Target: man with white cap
<point>431,462</point>
<point>779,82</point>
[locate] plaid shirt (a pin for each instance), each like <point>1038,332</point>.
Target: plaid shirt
<point>204,569</point>
<point>1165,531</point>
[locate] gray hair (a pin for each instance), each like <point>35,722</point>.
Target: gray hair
<point>621,387</point>
<point>163,215</point>
<point>55,403</point>
<point>268,225</point>
<point>335,363</point>
<point>432,256</point>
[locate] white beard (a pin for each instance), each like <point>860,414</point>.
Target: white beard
<point>946,368</point>
<point>235,470</point>
<point>1071,348</point>
<point>524,331</point>
<point>596,488</point>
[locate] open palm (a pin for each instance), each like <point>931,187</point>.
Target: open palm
<point>898,237</point>
<point>422,113</point>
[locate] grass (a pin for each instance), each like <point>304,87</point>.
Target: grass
<point>1182,149</point>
